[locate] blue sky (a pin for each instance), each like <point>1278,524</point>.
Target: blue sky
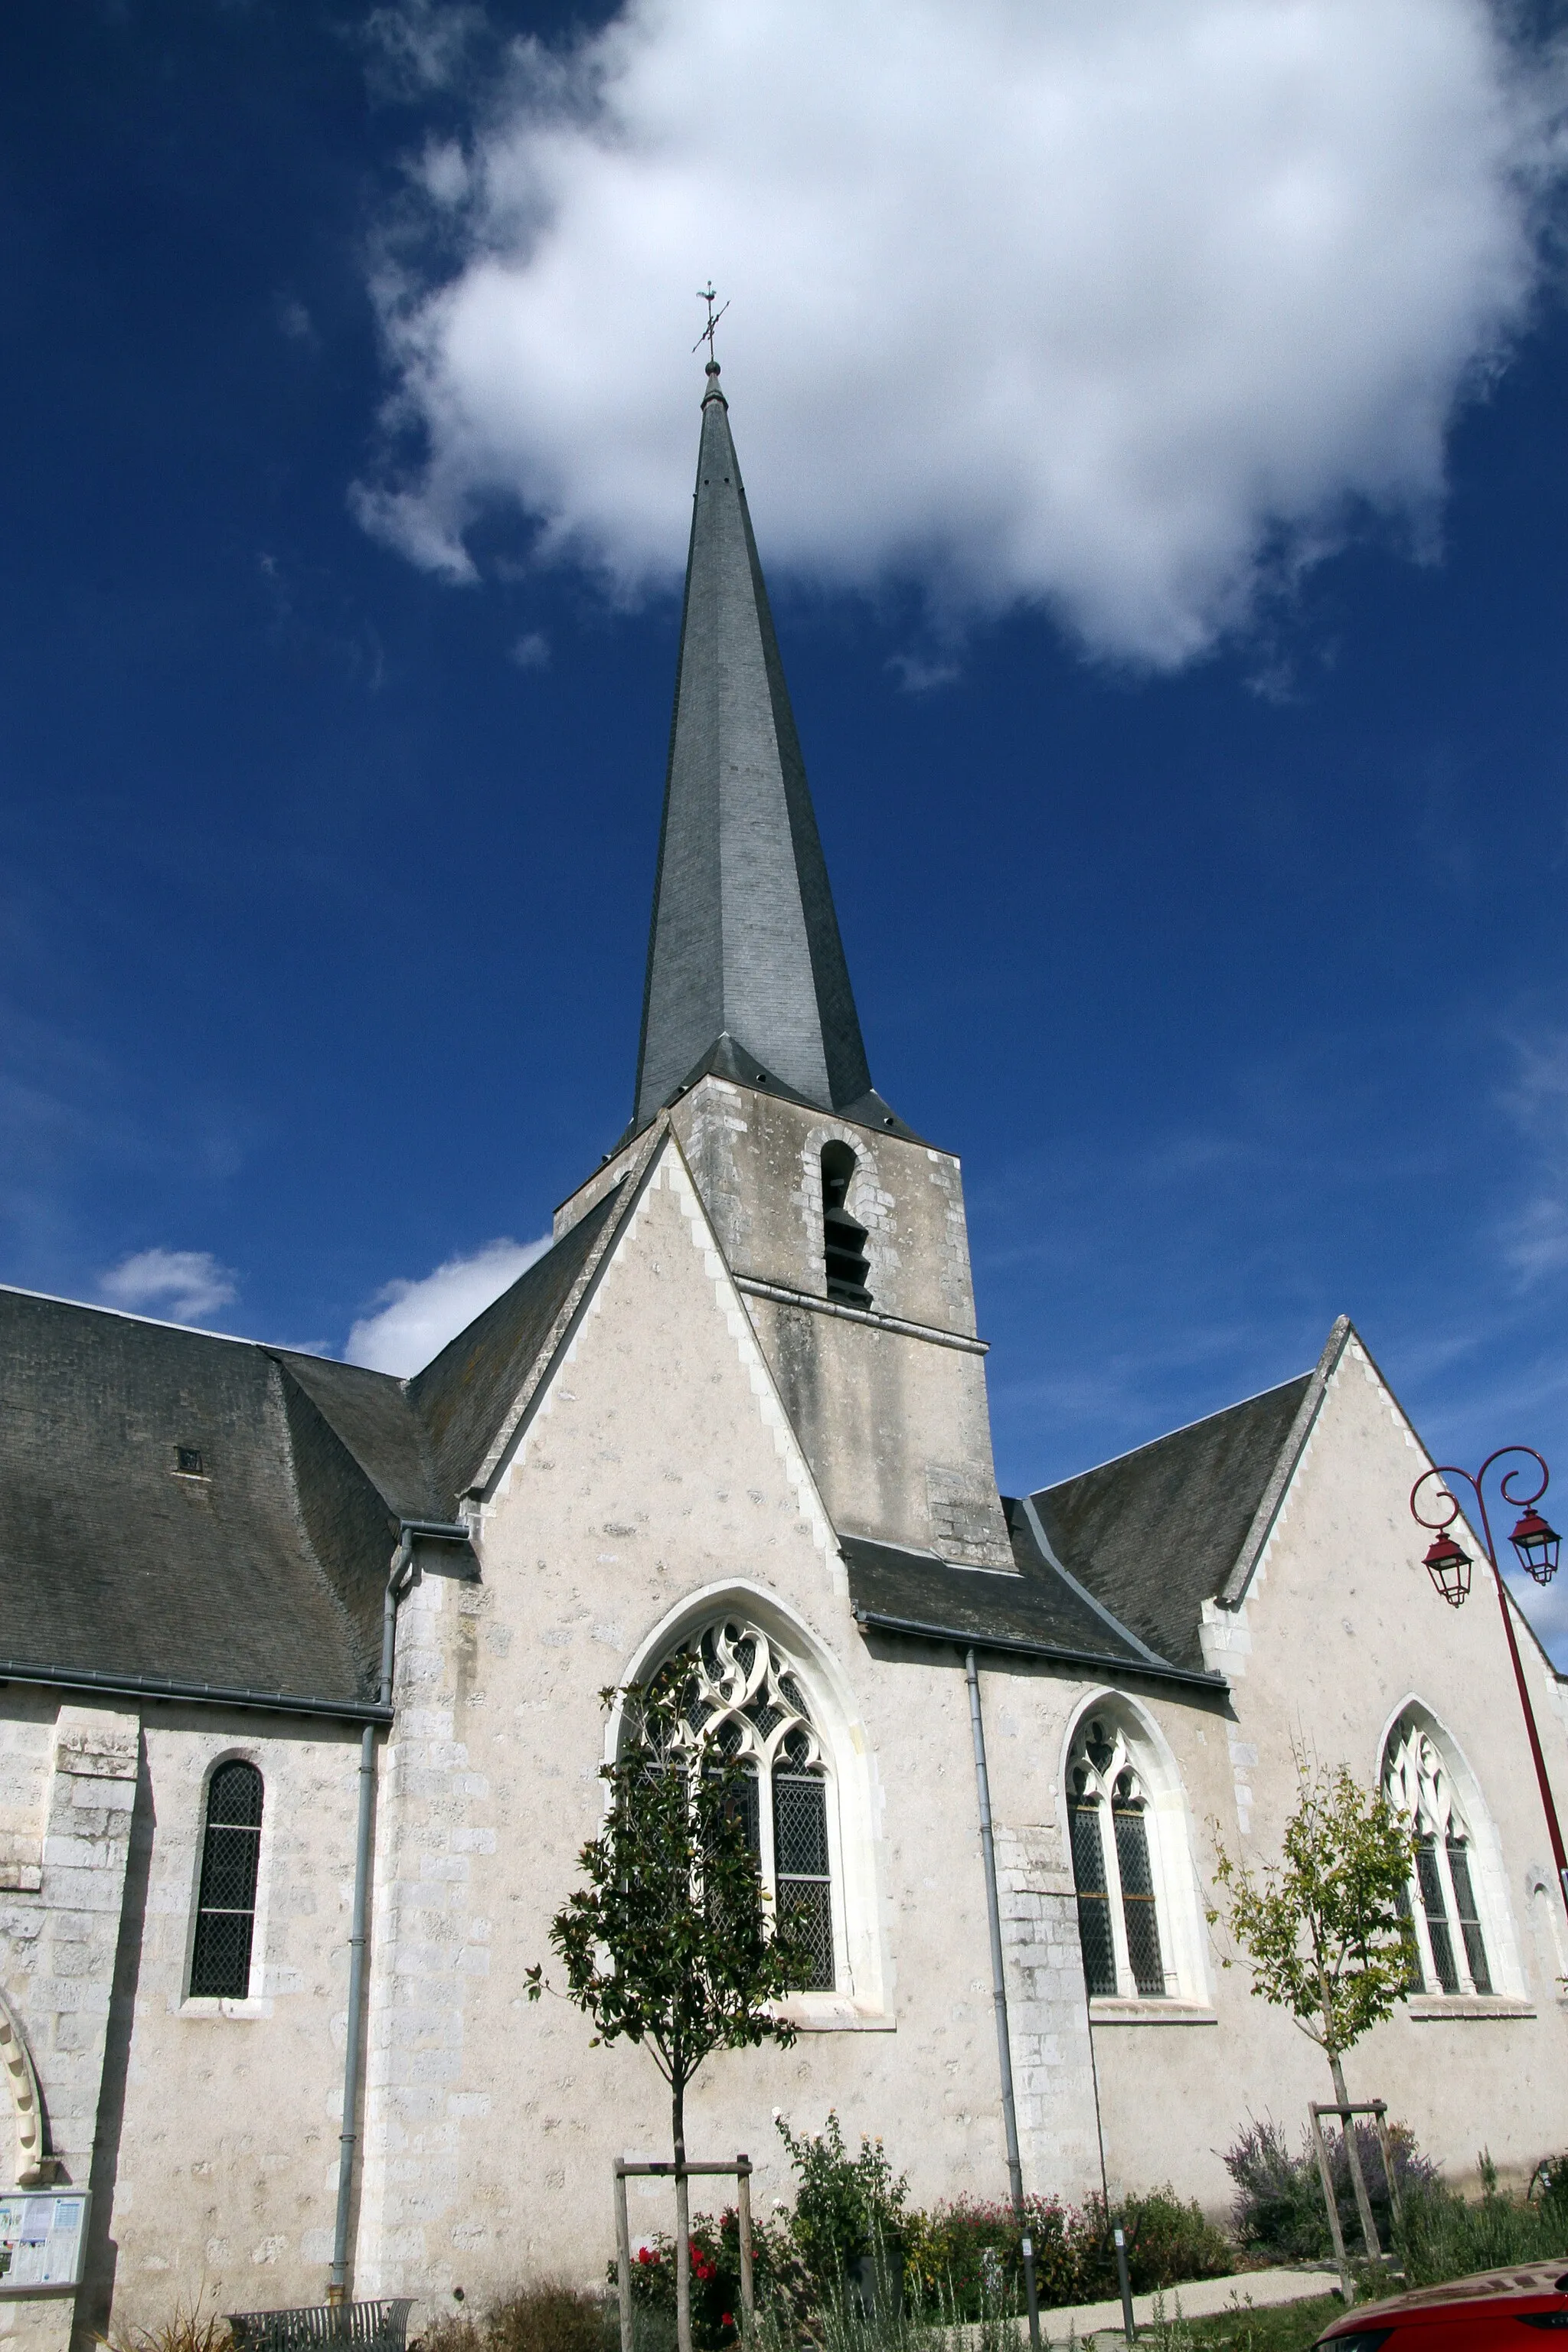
<point>1202,879</point>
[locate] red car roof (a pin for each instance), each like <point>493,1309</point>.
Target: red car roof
<point>1543,2283</point>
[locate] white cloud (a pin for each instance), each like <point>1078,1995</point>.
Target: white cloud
<point>531,650</point>
<point>186,1285</point>
<point>417,1319</point>
<point>413,46</point>
<point>1126,309</point>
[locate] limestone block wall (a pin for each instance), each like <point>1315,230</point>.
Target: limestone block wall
<point>217,2164</point>
<point>1339,1632</point>
<point>897,1431</point>
<point>60,1927</point>
<point>658,1480</point>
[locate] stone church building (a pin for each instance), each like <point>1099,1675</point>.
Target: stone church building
<point>739,1407</point>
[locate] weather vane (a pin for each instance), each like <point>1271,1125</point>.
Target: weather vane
<point>706,294</point>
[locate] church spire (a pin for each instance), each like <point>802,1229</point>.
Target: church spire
<point>745,969</point>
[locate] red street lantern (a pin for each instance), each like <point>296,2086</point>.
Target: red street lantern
<point>1450,1568</point>
<point>1536,1544</point>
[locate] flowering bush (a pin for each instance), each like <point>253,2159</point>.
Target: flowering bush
<point>1279,2198</point>
<point>963,2260</point>
<point>715,2274</point>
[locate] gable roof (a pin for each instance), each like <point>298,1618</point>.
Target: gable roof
<point>263,1576</point>
<point>465,1394</point>
<point>1033,1611</point>
<point>1156,1533</point>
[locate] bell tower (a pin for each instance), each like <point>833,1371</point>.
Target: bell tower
<point>844,1230</point>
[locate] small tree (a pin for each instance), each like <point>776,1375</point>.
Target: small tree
<point>670,1942</point>
<point>1325,1931</point>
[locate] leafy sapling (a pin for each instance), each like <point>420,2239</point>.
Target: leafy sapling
<point>670,1942</point>
<point>1325,1930</point>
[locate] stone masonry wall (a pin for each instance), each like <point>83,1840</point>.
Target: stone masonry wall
<point>59,1937</point>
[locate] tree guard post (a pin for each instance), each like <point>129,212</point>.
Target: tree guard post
<point>623,2256</point>
<point>1347,2290</point>
<point>740,2167</point>
<point>743,2232</point>
<point>1395,2204</point>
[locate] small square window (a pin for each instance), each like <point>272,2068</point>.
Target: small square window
<point>188,1462</point>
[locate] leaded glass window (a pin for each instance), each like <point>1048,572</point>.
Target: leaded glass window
<point>1465,1910</point>
<point>226,1899</point>
<point>1097,1943</point>
<point>1113,1875</point>
<point>1137,1887</point>
<point>746,1701</point>
<point>1434,1904</point>
<point>1443,1915</point>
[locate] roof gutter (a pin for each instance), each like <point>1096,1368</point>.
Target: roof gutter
<point>164,1686</point>
<point>1012,1645</point>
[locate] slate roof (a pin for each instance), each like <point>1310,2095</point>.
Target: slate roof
<point>744,940</point>
<point>1035,1611</point>
<point>265,1574</point>
<point>1157,1532</point>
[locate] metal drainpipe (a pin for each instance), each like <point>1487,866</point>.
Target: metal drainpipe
<point>999,1997</point>
<point>438,1531</point>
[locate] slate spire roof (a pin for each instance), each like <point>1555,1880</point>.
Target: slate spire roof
<point>745,969</point>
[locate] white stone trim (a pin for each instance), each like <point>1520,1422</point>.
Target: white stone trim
<point>862,1999</point>
<point>1173,1849</point>
<point>1488,1875</point>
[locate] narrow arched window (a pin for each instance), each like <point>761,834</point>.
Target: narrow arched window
<point>746,1701</point>
<point>845,1262</point>
<point>1118,1912</point>
<point>1450,1947</point>
<point>225,1900</point>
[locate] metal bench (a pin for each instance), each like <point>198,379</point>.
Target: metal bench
<point>366,2327</point>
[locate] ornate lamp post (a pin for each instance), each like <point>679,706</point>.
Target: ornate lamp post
<point>1449,1566</point>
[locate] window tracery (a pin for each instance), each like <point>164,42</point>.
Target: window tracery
<point>1118,1909</point>
<point>1450,1952</point>
<point>745,1701</point>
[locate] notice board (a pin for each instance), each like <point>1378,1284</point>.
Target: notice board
<point>43,2232</point>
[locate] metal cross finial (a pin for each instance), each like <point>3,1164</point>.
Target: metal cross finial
<point>706,294</point>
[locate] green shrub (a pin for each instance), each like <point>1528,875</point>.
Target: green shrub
<point>965,2257</point>
<point>1447,2236</point>
<point>844,2207</point>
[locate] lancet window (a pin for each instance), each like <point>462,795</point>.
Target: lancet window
<point>1118,1910</point>
<point>746,1701</point>
<point>845,1262</point>
<point>1448,1941</point>
<point>225,1898</point>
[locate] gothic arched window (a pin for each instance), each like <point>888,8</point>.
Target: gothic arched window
<point>1118,1914</point>
<point>226,1899</point>
<point>746,1701</point>
<point>1451,1945</point>
<point>845,1262</point>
